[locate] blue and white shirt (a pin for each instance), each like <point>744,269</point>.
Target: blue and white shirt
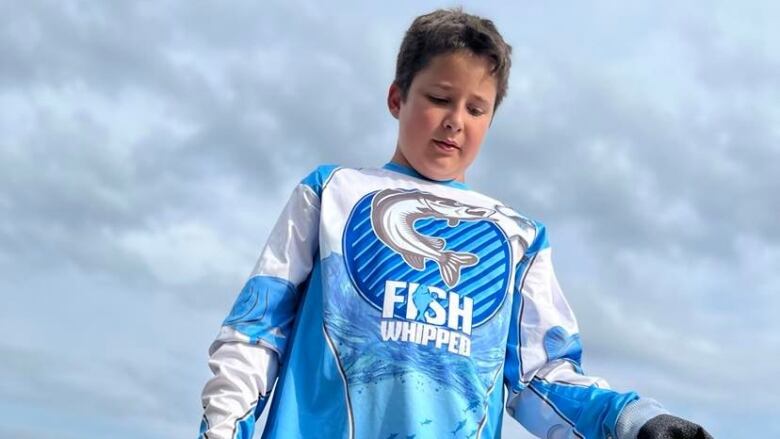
<point>392,306</point>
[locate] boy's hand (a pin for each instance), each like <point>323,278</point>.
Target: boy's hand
<point>671,427</point>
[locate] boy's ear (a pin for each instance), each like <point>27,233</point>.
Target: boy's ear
<point>394,100</point>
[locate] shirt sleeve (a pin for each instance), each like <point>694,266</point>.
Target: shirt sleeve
<point>548,392</point>
<point>253,338</point>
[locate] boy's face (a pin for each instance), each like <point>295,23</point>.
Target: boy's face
<point>446,114</point>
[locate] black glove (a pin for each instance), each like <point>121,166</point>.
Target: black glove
<point>671,427</point>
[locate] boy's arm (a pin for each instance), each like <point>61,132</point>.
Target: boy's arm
<point>548,392</point>
<point>237,393</point>
<point>253,338</point>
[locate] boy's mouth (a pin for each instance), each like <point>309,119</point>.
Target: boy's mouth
<point>446,144</point>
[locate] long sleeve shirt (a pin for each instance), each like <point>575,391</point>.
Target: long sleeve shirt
<point>387,305</point>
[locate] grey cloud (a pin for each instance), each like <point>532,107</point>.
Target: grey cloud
<point>621,165</point>
<point>218,113</point>
<point>75,390</point>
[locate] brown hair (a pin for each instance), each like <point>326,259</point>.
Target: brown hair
<point>449,30</point>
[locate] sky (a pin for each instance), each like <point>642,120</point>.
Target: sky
<point>146,149</point>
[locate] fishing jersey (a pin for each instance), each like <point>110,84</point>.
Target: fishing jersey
<point>400,307</point>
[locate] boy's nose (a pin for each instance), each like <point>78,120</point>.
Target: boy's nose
<point>454,121</point>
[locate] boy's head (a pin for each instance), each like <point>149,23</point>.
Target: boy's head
<point>451,75</point>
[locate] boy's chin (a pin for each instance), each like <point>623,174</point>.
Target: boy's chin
<point>433,173</point>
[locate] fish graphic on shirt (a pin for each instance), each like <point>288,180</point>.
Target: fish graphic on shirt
<point>393,214</point>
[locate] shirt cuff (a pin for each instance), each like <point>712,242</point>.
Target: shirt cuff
<point>635,415</point>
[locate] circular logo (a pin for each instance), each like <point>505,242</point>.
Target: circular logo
<point>431,242</point>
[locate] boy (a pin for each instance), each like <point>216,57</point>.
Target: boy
<point>398,303</point>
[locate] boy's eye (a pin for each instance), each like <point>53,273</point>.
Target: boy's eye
<point>476,111</point>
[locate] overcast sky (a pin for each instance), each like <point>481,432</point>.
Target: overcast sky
<point>146,149</point>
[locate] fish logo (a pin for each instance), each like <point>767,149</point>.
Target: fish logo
<point>425,255</point>
<point>393,214</point>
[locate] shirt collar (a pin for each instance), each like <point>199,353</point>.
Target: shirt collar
<point>406,170</point>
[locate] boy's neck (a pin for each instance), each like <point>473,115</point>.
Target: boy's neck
<point>399,159</point>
